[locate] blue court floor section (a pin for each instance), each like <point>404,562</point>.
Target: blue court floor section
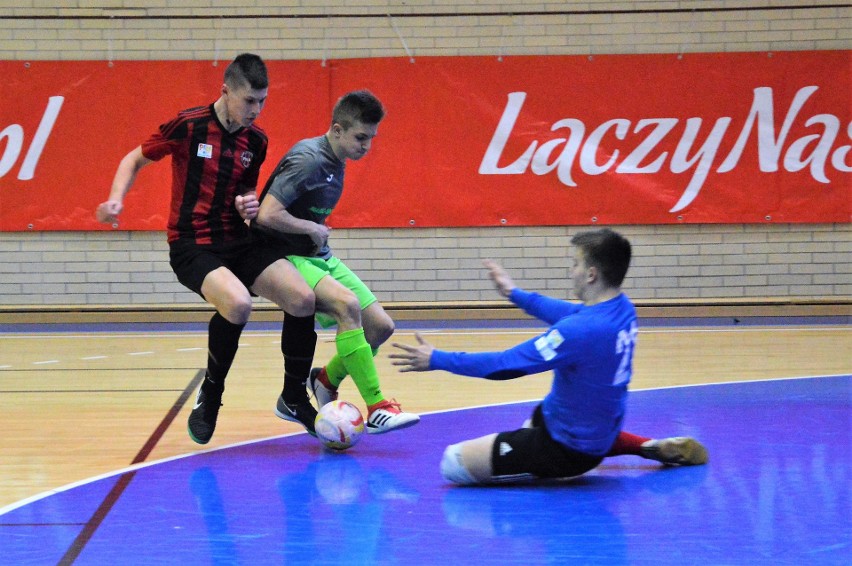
<point>776,491</point>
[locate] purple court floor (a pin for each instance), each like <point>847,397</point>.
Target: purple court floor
<point>776,491</point>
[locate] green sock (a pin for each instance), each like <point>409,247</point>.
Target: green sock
<point>357,355</point>
<point>336,369</point>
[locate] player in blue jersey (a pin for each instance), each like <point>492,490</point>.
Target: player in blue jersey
<point>589,347</point>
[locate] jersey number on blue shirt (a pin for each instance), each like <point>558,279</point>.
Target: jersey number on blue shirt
<point>625,345</point>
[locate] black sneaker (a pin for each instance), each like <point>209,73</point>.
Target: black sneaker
<point>302,412</point>
<point>202,419</point>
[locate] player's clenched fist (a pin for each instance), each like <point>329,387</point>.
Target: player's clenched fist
<point>108,211</point>
<point>247,205</point>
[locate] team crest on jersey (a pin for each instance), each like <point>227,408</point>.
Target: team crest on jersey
<point>245,158</point>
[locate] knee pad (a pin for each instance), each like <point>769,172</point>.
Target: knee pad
<point>452,466</point>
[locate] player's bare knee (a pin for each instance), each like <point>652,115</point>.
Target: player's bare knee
<point>236,310</point>
<point>301,302</point>
<point>377,333</point>
<point>348,310</point>
<point>453,468</point>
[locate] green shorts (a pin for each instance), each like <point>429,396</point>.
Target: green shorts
<point>314,268</point>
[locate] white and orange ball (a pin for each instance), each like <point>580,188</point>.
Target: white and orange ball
<point>339,425</point>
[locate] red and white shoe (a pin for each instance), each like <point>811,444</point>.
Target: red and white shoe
<point>386,416</point>
<point>321,387</point>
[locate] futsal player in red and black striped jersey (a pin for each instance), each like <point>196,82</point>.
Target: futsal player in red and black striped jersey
<point>217,151</point>
<point>208,173</point>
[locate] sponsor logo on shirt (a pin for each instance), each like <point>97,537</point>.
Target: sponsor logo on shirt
<point>547,344</point>
<point>320,211</point>
<point>205,150</point>
<point>555,338</point>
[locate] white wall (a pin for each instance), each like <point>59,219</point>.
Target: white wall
<point>429,265</point>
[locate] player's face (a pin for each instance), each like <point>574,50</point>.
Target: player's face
<point>579,274</point>
<point>244,103</point>
<point>354,143</point>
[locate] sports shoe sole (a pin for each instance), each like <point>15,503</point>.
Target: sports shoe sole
<point>680,450</point>
<point>383,430</point>
<point>194,439</point>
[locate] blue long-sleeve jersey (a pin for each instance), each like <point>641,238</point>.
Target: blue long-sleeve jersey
<point>589,349</point>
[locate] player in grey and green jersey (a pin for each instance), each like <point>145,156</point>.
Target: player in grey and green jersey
<point>305,187</point>
<point>307,182</point>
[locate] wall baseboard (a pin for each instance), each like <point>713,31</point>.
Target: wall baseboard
<point>497,310</point>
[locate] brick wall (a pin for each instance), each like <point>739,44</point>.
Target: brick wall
<point>432,265</point>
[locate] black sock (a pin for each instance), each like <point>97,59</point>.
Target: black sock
<point>223,339</point>
<point>298,343</point>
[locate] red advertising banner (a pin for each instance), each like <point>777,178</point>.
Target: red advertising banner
<point>467,141</point>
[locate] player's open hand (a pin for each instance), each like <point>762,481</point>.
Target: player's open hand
<point>247,205</point>
<point>413,358</point>
<point>501,279</point>
<point>108,211</point>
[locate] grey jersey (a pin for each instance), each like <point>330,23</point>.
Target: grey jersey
<point>308,182</point>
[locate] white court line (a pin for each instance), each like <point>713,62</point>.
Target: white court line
<point>433,331</point>
<point>652,330</point>
<point>641,331</point>
<point>330,337</point>
<point>34,498</point>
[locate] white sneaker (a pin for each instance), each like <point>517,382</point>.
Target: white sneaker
<point>681,450</point>
<point>322,393</point>
<point>386,416</point>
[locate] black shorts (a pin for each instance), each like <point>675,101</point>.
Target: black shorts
<point>192,262</point>
<point>533,452</point>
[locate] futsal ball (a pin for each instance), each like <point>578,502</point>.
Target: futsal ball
<point>339,425</point>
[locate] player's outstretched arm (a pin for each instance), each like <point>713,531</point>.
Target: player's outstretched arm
<point>413,358</point>
<point>125,175</point>
<point>498,275</point>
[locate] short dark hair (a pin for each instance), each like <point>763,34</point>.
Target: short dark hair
<point>606,250</point>
<point>247,69</point>
<point>357,106</point>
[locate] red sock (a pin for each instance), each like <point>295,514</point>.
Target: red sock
<point>627,443</point>
<point>322,376</point>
